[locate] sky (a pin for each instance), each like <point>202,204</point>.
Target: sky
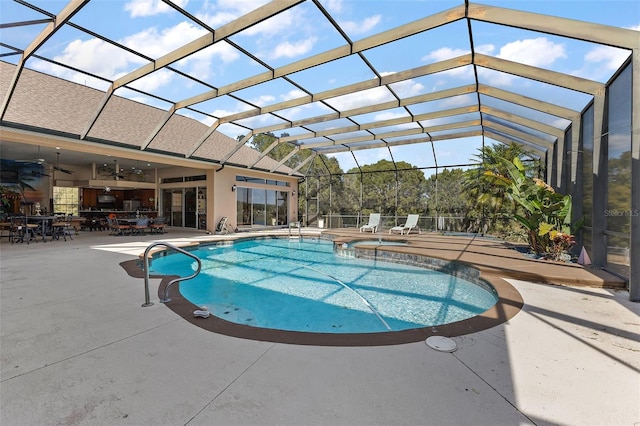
<point>153,29</point>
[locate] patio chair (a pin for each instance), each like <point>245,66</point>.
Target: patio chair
<point>408,226</point>
<point>111,225</point>
<point>20,230</point>
<point>158,225</point>
<point>372,225</point>
<point>62,227</point>
<point>119,228</point>
<point>140,226</point>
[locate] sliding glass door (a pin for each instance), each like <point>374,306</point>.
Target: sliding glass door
<point>185,207</point>
<point>261,207</point>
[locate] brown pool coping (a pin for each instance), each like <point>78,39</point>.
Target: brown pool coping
<point>493,259</point>
<point>508,305</point>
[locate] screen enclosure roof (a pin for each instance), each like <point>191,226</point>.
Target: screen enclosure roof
<point>422,82</point>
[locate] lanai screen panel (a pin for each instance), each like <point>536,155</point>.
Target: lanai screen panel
<point>333,74</point>
<point>458,152</point>
<point>619,210</point>
<point>420,154</point>
<point>526,112</point>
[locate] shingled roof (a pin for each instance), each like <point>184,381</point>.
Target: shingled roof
<point>55,106</point>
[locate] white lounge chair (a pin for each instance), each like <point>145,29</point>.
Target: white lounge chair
<point>374,222</point>
<point>410,224</point>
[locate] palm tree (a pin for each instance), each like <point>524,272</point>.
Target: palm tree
<point>487,200</point>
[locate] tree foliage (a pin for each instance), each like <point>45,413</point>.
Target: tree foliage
<point>400,188</point>
<point>483,195</point>
<point>325,177</point>
<point>446,194</point>
<point>379,188</point>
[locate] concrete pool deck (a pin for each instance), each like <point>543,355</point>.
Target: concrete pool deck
<point>77,348</point>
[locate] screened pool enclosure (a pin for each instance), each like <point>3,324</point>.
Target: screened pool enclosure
<point>358,106</point>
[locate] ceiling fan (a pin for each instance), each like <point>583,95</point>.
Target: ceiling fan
<point>60,169</point>
<point>30,168</point>
<point>136,172</point>
<point>112,172</point>
<point>36,160</point>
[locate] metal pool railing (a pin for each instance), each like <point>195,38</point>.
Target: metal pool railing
<point>145,264</point>
<point>295,225</point>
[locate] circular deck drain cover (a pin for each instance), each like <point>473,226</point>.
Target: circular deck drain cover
<point>441,343</point>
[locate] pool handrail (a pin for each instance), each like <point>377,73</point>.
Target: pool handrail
<point>145,266</point>
<point>296,225</point>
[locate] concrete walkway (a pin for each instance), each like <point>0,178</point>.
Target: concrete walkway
<point>76,348</point>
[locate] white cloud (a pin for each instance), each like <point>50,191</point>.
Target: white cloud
<point>294,112</point>
<point>240,107</point>
<point>455,101</point>
<point>537,52</point>
<point>407,88</point>
<point>608,57</point>
<point>485,49</point>
<point>387,115</point>
<point>363,27</point>
<point>372,156</point>
<point>262,100</point>
<point>495,78</point>
<point>443,54</point>
<point>271,38</point>
<point>436,121</point>
<point>106,60</point>
<point>201,64</point>
<point>292,94</point>
<point>290,50</point>
<point>94,56</point>
<point>362,98</point>
<point>208,121</point>
<point>155,44</point>
<point>217,14</point>
<point>284,22</point>
<point>241,6</point>
<point>140,8</point>
<point>334,6</point>
<point>150,83</point>
<point>218,19</point>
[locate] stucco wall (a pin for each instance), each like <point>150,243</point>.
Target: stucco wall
<point>225,199</point>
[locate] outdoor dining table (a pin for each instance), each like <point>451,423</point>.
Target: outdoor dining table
<point>45,224</point>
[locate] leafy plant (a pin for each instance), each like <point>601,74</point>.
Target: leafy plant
<point>7,195</point>
<point>545,214</point>
<point>490,203</point>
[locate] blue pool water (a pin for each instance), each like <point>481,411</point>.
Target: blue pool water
<point>301,285</point>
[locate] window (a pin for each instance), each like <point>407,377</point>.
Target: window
<point>185,179</point>
<point>250,179</point>
<point>66,200</point>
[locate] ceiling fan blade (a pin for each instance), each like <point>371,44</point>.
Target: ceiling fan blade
<point>60,169</point>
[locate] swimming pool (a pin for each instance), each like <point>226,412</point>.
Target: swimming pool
<point>302,286</point>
